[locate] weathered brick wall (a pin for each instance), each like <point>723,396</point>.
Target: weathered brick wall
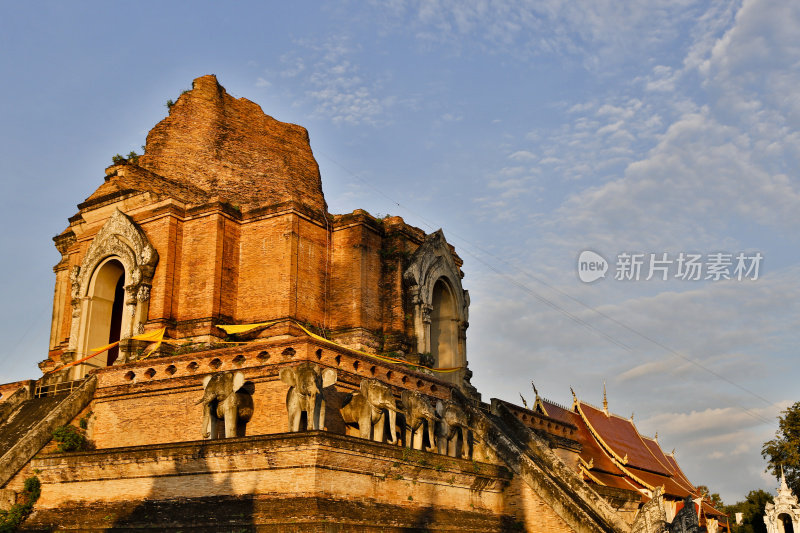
<point>198,292</point>
<point>422,489</point>
<point>229,147</point>
<point>534,512</point>
<point>165,231</point>
<point>7,389</point>
<point>265,267</point>
<point>154,401</point>
<point>356,273</point>
<point>217,265</point>
<point>242,232</point>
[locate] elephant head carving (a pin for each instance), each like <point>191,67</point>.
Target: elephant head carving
<point>454,421</point>
<point>306,382</point>
<point>418,411</point>
<point>368,408</point>
<point>226,398</point>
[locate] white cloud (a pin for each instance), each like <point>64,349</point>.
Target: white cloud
<point>522,155</point>
<point>333,84</point>
<point>596,33</point>
<point>660,159</point>
<point>713,426</point>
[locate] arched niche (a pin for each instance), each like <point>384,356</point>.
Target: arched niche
<point>440,306</point>
<point>785,523</point>
<point>444,325</point>
<point>104,311</point>
<point>119,251</point>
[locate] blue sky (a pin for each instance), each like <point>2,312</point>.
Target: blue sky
<point>528,131</point>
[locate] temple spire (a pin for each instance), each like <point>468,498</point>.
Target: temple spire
<point>605,399</point>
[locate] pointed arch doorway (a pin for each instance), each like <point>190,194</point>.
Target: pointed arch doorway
<point>444,326</point>
<point>104,306</point>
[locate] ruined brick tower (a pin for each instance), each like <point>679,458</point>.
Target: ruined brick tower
<point>228,224</point>
<point>268,366</point>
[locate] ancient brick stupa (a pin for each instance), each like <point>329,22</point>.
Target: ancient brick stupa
<point>227,355</point>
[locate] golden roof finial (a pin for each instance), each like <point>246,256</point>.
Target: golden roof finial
<point>656,437</point>
<point>524,403</point>
<point>605,399</point>
<point>574,396</point>
<point>536,392</point>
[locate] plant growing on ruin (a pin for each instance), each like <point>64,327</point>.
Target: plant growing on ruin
<point>11,519</point>
<point>118,160</point>
<point>70,439</point>
<point>170,103</point>
<point>426,359</point>
<point>83,423</point>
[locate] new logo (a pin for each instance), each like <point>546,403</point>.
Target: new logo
<point>591,266</point>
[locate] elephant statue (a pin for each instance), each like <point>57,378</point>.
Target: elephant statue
<point>368,409</point>
<point>418,410</point>
<point>453,421</point>
<point>481,450</point>
<point>306,382</point>
<point>225,398</point>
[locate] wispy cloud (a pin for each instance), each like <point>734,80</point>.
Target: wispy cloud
<point>594,33</point>
<point>719,129</point>
<point>333,84</point>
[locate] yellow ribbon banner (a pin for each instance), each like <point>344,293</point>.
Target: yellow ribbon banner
<point>156,336</point>
<point>242,328</point>
<point>233,329</point>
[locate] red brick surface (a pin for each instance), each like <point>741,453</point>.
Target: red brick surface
<point>230,148</point>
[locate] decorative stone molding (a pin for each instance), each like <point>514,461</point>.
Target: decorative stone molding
<point>123,240</point>
<point>652,517</point>
<point>784,504</point>
<point>431,262</point>
<point>686,520</point>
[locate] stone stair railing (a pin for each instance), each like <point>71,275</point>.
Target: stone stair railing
<point>40,434</point>
<point>530,457</point>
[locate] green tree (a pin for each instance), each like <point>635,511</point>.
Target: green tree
<point>752,510</point>
<point>784,449</point>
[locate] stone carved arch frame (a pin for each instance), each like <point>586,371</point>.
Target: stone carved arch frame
<point>433,262</point>
<point>785,503</point>
<point>122,240</point>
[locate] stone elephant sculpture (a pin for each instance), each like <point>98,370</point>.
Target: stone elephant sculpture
<point>418,411</point>
<point>368,409</point>
<point>225,398</point>
<point>306,382</point>
<point>454,421</point>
